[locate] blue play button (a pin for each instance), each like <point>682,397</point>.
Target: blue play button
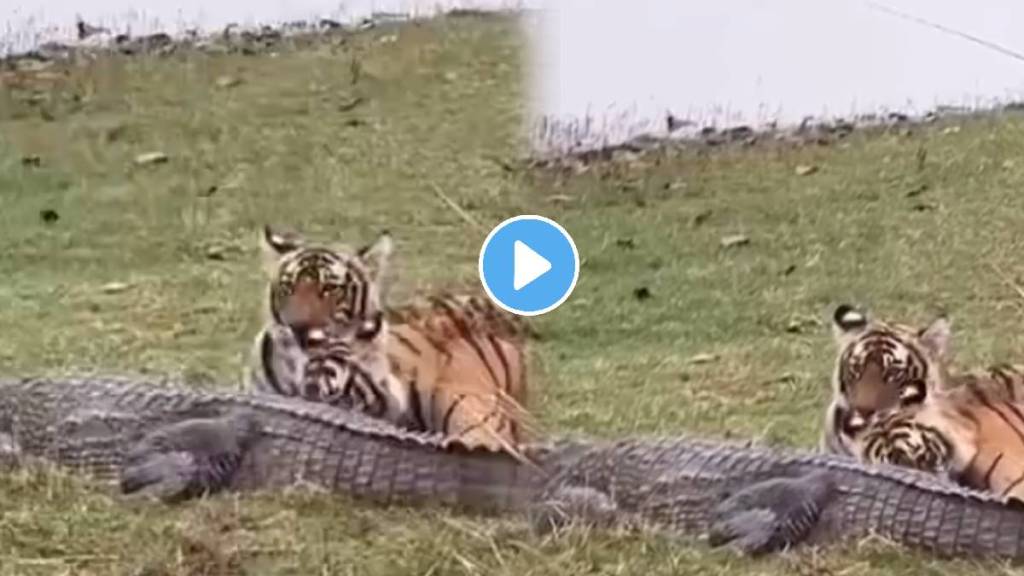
<point>529,265</point>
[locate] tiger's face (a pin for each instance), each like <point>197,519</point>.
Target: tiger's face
<point>313,287</point>
<point>344,369</point>
<point>898,437</point>
<point>338,359</point>
<point>880,367</point>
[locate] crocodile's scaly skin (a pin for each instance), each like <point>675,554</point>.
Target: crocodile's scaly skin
<point>177,443</point>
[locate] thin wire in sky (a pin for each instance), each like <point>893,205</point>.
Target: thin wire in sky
<point>947,30</point>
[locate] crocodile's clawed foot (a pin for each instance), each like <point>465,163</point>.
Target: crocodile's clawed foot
<point>187,459</point>
<point>573,505</point>
<point>772,515</point>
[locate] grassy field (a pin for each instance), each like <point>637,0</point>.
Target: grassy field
<point>112,266</point>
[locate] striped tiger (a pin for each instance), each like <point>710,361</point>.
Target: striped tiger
<point>313,287</point>
<point>972,433</point>
<point>880,366</point>
<point>455,365</point>
<point>457,361</point>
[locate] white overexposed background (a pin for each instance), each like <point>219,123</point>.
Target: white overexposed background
<point>618,66</point>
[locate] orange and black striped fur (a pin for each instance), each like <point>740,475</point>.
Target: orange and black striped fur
<point>880,367</point>
<point>454,366</point>
<point>457,363</point>
<point>896,400</point>
<point>972,432</point>
<point>466,361</point>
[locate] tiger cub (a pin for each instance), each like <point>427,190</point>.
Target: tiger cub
<point>455,366</point>
<point>880,366</point>
<point>972,433</point>
<point>895,400</point>
<point>461,363</point>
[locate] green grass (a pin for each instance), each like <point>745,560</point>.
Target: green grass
<point>442,111</point>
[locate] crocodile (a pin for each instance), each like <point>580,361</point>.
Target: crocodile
<point>155,438</point>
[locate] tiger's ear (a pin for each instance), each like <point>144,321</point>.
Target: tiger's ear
<point>275,245</point>
<point>377,255</point>
<point>936,337</point>
<point>847,323</point>
<point>280,243</point>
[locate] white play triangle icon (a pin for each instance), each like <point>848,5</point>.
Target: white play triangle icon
<point>527,265</point>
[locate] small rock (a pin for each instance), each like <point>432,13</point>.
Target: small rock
<point>789,270</point>
<point>805,170</point>
<point>701,217</point>
<point>1009,164</point>
<point>784,378</point>
<point>797,325</point>
<point>951,130</point>
<point>350,104</point>
<point>451,76</point>
<point>115,133</point>
<point>49,216</point>
<point>917,190</point>
<point>227,81</point>
<point>735,240</point>
<point>675,185</point>
<point>642,293</point>
<point>561,199</point>
<point>702,358</point>
<point>923,207</point>
<point>115,287</point>
<point>31,160</point>
<point>209,191</point>
<point>151,158</point>
<point>215,253</point>
<point>626,243</point>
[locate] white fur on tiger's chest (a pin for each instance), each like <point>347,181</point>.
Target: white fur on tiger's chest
<point>278,362</point>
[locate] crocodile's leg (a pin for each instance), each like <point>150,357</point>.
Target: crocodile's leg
<point>771,515</point>
<point>188,459</point>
